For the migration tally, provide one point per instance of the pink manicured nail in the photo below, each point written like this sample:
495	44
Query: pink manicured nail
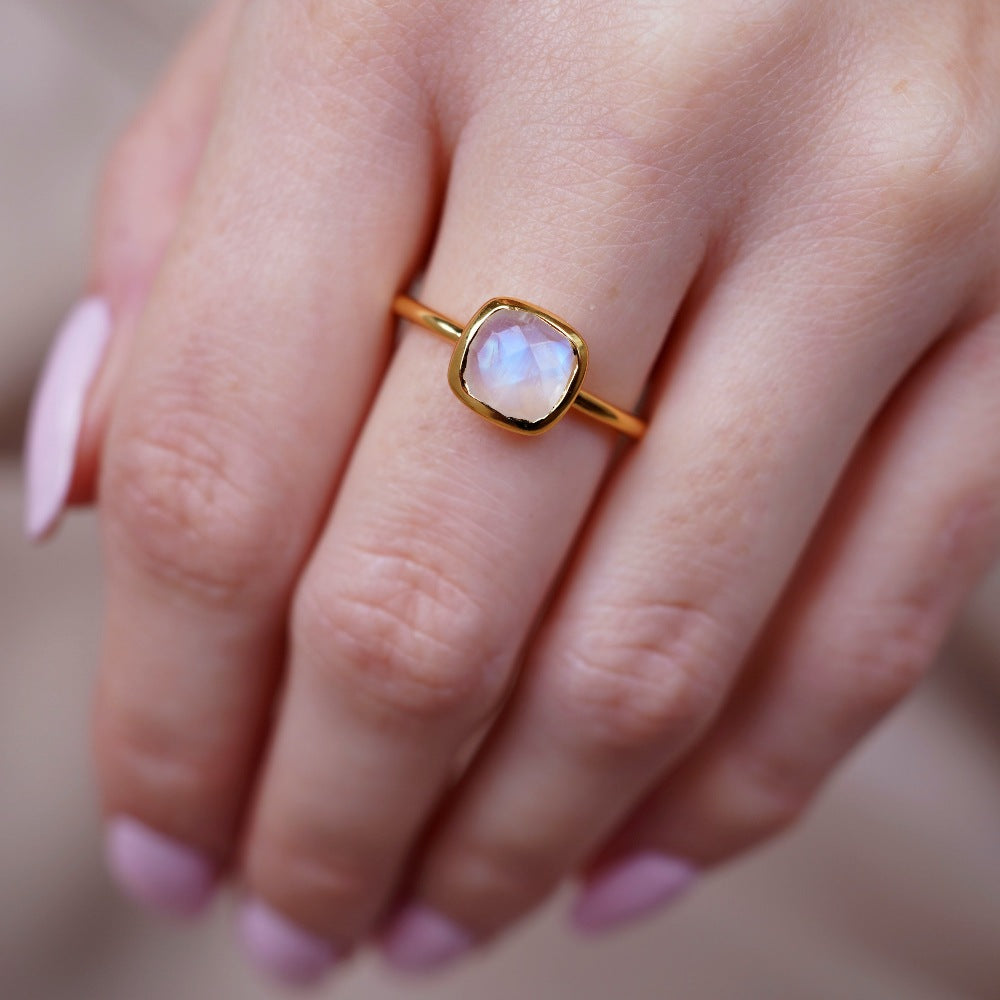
630	889
281	949
57	413
156	870
420	939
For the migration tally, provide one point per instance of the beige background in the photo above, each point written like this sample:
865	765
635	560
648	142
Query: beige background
889	890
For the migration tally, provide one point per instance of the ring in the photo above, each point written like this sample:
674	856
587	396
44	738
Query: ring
518	366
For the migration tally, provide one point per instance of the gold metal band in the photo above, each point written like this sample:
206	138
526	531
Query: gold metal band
604	412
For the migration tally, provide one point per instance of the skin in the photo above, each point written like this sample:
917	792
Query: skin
778	220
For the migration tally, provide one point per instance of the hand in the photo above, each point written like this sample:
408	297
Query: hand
775	223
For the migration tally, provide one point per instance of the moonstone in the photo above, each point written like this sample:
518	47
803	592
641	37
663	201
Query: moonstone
519	364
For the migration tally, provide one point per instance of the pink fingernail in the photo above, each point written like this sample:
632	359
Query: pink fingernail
156	870
630	889
281	949
420	939
57	413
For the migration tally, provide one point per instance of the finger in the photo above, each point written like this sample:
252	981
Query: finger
693	544
145	183
448	531
226	439
914	527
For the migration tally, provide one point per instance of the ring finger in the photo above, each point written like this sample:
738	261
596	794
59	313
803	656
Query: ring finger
446	535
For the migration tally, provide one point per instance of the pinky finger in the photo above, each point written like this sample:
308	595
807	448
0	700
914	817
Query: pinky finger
914	527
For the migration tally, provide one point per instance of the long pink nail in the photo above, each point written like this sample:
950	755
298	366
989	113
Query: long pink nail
57	413
630	889
157	871
420	939
281	949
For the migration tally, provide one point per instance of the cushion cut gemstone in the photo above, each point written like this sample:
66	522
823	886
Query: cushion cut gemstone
519	364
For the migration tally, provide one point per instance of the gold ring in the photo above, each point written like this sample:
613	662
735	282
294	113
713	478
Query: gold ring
518	365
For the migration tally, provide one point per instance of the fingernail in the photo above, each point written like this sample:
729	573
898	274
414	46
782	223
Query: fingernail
420	939
281	949
156	870
630	889
57	413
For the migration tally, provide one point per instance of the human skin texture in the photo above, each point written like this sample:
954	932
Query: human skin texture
775	223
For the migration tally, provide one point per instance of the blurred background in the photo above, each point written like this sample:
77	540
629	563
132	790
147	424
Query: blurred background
890	889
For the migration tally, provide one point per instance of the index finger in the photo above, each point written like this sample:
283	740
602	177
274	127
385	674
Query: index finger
227	440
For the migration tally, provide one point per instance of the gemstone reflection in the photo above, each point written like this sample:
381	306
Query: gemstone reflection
519	364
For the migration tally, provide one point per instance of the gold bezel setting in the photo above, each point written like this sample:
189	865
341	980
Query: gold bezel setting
460	355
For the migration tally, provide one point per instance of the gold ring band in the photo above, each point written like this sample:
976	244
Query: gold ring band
559	340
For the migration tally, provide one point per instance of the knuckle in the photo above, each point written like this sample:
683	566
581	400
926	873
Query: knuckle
508	878
893	659
402	634
304	875
349	44
930	161
682	66
772	797
188	509
734	800
647	679
744	797
347	75
142	759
